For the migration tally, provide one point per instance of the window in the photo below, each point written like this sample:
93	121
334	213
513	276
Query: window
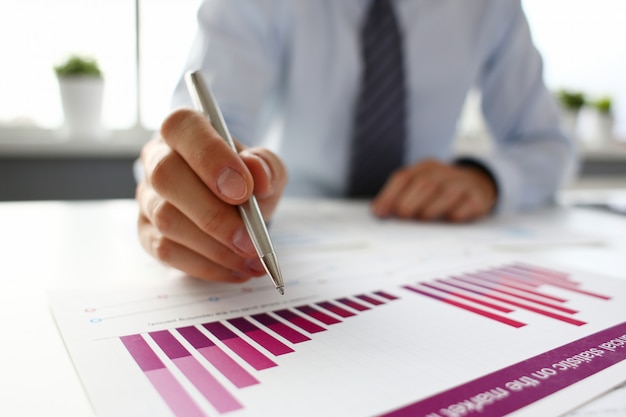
579	40
38	34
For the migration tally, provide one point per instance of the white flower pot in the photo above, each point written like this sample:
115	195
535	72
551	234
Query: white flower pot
82	97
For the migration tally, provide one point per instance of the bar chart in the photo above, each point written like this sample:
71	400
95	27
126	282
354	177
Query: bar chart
422	341
293	325
497	291
491	293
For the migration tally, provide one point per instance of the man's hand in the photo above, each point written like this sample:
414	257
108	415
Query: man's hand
432	190
192	182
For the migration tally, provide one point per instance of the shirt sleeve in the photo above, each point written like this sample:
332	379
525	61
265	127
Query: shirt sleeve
238	50
532	156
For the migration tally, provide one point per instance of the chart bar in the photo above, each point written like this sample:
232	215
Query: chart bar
484	313
161	378
242	348
280	328
318	315
200	377
515	284
550	314
217	357
386	295
334	308
353	304
498	288
273	345
368	299
439	287
299	321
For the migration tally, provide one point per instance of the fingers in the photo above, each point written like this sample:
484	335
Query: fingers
270	177
192	183
173	180
433	190
218	166
182	258
171	237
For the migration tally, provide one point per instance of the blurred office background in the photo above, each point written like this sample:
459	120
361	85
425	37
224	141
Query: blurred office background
141	45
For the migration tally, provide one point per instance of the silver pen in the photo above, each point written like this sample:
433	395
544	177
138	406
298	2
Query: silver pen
250	212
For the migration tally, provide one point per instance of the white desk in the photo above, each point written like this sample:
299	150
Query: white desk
47	245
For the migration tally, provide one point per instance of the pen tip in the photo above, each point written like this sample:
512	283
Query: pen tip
281	290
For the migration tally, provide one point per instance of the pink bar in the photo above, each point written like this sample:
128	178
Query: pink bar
216	356
280	328
369	299
209	387
515	284
250	354
273	345
498	288
466	307
386	295
543	271
318	315
333	308
299	321
174	395
353	304
469	298
228	367
242	348
464	286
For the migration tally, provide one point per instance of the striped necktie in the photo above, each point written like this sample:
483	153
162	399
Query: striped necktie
380	111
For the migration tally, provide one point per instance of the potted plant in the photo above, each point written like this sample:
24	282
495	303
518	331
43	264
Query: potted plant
81	85
570	103
602	118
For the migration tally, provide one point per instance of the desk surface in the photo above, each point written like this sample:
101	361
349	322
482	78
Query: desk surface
51	245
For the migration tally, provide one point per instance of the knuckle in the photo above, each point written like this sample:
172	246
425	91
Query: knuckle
211	220
163	217
162	248
163	171
178	120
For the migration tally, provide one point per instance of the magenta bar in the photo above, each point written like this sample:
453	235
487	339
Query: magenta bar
209	387
386	295
543	271
299	321
369	299
174	395
484	313
538	277
280	328
505	404
242	348
353	304
468	298
497	288
550	314
334	308
516	285
216	357
273	345
318	315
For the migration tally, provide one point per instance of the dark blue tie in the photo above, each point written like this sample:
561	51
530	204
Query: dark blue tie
380	112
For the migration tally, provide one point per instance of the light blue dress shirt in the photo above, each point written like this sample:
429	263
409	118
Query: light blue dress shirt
286	75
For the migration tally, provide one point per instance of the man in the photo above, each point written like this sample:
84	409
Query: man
291	78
